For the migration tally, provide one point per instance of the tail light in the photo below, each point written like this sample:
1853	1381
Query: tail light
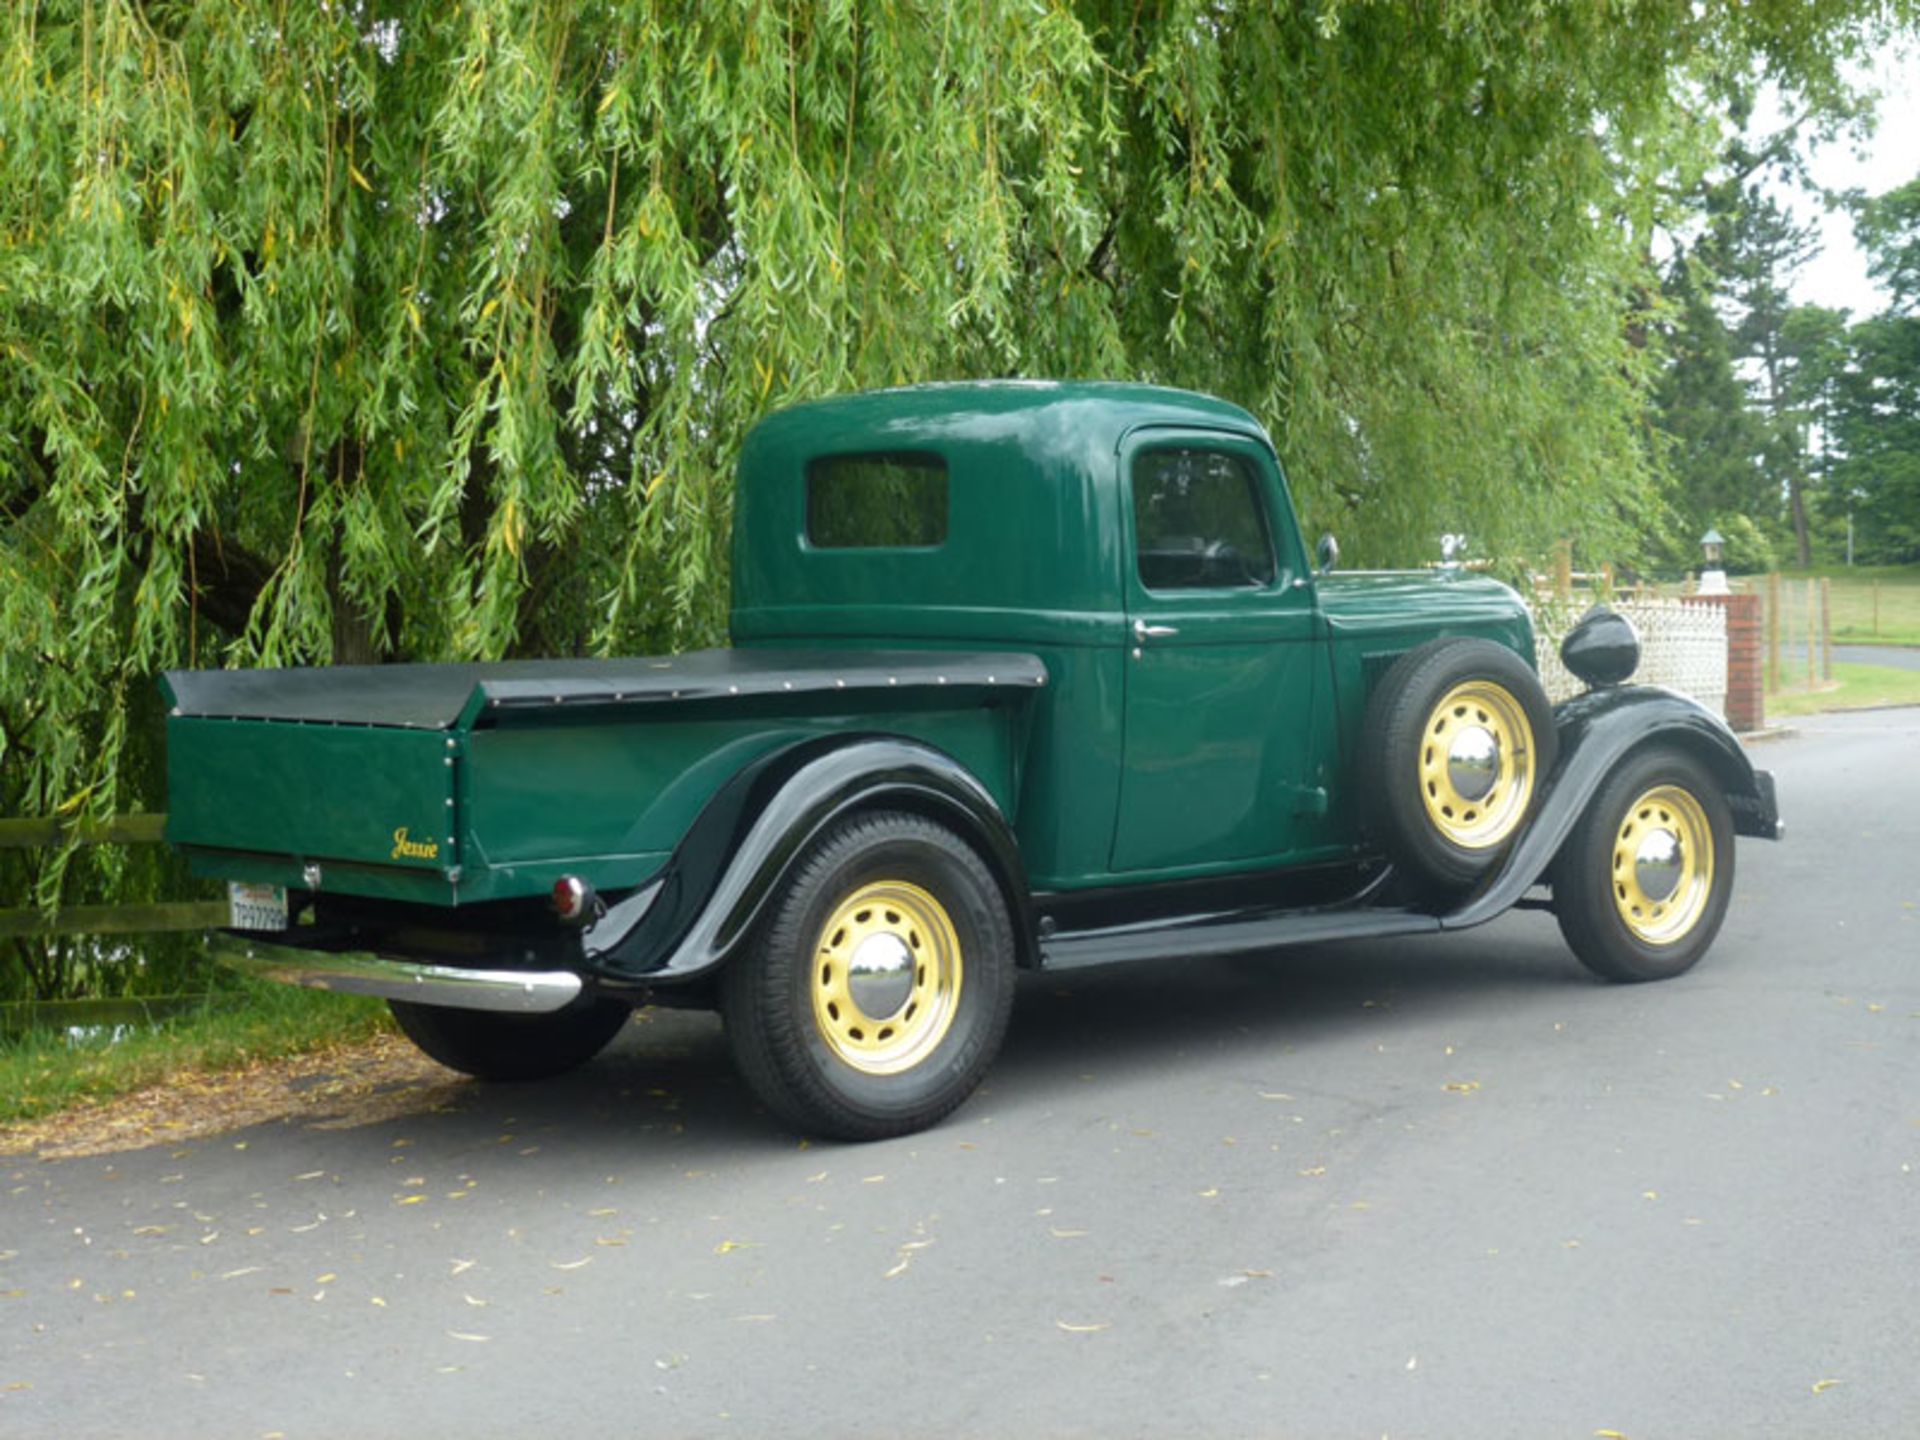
573	899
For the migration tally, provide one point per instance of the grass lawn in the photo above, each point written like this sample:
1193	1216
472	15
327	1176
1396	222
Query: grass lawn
1869	602
44	1071
1856	687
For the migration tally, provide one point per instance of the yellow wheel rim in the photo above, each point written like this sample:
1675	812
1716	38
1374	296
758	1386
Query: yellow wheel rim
887	971
1662	865
1477	765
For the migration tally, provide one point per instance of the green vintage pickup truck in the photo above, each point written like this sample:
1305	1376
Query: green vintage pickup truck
1023	676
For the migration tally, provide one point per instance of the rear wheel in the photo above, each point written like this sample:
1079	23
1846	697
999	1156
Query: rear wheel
1641	886
876	992
492	1046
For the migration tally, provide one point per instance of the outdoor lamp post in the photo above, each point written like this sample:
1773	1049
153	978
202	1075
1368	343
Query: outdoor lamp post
1713	580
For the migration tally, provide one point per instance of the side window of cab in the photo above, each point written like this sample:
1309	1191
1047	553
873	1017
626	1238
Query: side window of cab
1198	523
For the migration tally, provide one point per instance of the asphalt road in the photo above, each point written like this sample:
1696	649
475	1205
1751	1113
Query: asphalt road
1898	657
1444	1188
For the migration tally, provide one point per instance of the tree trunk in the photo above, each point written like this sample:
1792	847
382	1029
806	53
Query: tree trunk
354	641
1797	505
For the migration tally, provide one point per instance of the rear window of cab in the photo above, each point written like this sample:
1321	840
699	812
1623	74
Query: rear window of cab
892	500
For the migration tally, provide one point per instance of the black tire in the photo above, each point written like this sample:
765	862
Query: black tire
938	969
1620	929
1440	837
491	1046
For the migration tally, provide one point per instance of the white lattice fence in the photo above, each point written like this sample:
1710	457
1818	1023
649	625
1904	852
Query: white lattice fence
1683	646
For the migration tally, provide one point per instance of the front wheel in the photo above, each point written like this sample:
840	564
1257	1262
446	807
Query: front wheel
1642	884
875	993
492	1046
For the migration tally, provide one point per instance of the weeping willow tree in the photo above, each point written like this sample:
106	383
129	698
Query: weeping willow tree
351	330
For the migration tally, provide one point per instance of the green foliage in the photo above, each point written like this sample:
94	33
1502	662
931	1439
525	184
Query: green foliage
1715	442
387	330
1878	429
1782	419
1747	549
1766	248
1877	396
1889	230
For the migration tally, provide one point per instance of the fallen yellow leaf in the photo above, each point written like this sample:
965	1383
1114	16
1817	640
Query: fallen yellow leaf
1821	1386
1461	1087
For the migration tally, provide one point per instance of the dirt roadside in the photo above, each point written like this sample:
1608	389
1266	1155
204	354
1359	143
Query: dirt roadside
353	1085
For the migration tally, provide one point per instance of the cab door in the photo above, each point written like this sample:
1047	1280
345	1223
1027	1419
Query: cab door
1223	752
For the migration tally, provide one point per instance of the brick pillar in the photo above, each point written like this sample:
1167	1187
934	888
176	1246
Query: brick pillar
1746	661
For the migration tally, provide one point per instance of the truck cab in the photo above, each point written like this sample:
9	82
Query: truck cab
1141	542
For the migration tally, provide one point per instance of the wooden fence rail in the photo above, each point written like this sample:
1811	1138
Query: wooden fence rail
149	919
37	834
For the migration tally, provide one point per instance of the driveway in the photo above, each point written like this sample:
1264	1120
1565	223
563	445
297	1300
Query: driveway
1898	657
1447	1188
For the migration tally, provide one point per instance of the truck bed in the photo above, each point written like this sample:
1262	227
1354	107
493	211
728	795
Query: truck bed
447	784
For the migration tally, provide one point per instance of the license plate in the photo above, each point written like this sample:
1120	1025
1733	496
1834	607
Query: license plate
256	907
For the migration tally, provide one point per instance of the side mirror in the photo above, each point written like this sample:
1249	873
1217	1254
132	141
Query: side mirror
1326	555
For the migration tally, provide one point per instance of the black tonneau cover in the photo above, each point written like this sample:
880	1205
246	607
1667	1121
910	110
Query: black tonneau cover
442	697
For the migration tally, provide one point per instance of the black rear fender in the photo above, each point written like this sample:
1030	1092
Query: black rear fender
1597	731
687	920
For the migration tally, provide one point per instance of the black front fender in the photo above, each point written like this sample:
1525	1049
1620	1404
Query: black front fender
1597	731
687	920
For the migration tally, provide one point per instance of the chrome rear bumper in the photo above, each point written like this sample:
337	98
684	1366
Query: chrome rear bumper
515	992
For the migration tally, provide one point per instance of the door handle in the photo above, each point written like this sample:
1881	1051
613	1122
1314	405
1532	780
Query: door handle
1143	632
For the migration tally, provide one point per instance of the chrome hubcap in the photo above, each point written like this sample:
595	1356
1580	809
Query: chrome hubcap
1473	762
1659	865
880	975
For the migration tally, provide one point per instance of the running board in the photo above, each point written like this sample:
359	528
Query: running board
1230	933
